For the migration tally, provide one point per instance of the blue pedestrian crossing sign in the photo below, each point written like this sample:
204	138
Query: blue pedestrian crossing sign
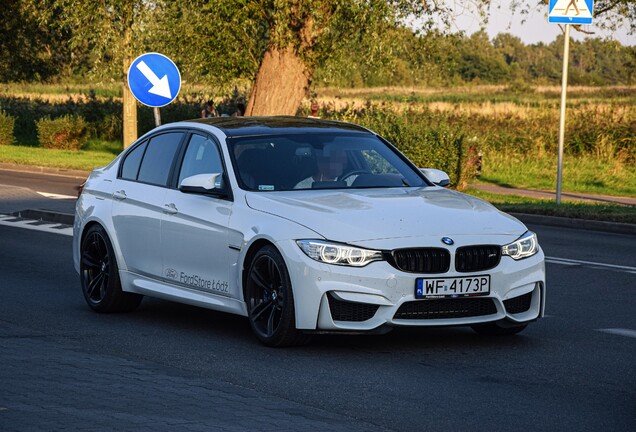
571	11
154	79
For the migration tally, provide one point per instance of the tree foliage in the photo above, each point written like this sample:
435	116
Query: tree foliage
30	49
341	42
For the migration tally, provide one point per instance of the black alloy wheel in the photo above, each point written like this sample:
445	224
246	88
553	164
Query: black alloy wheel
270	300
99	275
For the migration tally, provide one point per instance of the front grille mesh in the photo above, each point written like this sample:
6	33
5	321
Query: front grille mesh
422	260
518	304
350	311
446	309
477	258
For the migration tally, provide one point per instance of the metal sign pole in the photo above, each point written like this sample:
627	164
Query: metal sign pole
155	110
155	81
564	86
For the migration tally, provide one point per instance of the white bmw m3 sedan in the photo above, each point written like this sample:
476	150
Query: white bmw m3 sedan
303	226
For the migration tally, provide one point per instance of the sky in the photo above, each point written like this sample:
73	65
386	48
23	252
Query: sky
535	28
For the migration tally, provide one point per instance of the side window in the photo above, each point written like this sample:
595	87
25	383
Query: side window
201	157
130	167
155	167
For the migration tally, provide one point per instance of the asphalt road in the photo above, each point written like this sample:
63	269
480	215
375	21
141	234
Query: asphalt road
175	367
55	184
35	191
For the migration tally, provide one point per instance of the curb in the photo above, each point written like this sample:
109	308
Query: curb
613	227
46	216
551	196
45	170
586	224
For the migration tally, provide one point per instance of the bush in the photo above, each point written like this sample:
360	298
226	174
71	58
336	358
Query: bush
7	124
63	133
426	138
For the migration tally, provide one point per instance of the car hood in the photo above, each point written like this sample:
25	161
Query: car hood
373	214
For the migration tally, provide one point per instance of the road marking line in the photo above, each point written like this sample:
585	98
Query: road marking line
619	331
566	261
26	224
56	196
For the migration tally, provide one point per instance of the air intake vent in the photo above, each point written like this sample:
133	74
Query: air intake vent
423	260
350	311
477	258
518	304
446	309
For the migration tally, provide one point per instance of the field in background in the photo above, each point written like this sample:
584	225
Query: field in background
574	210
513	128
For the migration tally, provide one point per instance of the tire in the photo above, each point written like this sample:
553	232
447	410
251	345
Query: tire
270	300
99	275
495	329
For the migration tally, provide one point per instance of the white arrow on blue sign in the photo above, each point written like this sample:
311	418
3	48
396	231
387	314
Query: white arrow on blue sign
154	79
571	11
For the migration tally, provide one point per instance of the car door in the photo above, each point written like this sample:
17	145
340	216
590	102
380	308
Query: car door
195	231
138	202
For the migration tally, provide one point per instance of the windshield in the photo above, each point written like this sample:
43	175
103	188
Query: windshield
319	161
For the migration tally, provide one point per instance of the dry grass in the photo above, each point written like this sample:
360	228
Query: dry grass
59	93
50	97
583	89
334	92
611	111
330	92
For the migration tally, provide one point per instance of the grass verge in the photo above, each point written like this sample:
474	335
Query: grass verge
573	210
583	174
95	154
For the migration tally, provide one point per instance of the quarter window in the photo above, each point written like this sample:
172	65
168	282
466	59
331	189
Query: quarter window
155	167
130	167
201	157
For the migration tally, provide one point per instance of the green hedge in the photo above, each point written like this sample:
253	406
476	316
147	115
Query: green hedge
103	115
426	138
7	126
63	133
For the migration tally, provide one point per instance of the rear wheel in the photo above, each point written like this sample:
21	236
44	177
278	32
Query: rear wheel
99	275
270	300
496	329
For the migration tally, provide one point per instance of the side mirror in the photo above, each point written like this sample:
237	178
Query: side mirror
209	184
435	176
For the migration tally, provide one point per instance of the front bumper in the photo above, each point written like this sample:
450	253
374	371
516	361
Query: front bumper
339	298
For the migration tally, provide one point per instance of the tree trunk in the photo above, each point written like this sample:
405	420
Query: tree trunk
130	117
281	84
129	102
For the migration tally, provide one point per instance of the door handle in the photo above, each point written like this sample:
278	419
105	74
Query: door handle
120	195
170	208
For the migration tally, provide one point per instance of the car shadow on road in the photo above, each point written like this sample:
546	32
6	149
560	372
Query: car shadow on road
184	321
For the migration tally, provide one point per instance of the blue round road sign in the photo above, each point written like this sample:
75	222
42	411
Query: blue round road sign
154	79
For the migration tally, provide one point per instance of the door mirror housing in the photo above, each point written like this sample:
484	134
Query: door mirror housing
435	176
207	184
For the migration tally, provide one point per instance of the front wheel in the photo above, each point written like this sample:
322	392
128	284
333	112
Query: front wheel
270	300
99	275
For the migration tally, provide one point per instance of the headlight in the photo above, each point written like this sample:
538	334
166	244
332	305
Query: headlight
524	247
339	254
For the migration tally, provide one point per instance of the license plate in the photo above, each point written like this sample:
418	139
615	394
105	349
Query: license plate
453	287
